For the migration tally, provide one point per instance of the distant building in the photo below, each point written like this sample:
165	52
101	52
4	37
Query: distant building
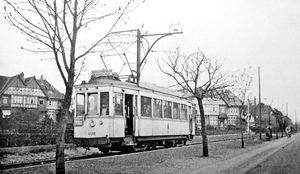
212	110
221	109
29	93
234	105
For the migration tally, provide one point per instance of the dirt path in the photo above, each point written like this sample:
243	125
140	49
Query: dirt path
248	158
284	161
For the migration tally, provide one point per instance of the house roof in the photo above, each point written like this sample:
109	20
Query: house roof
5	81
229	98
49	90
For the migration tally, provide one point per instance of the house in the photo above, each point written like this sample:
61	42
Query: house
234	105
28	93
221	108
267	117
212	110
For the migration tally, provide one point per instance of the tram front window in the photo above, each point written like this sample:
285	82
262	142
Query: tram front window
92	103
118	104
104	103
80	105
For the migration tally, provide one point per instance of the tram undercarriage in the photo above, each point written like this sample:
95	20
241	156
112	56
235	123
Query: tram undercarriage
130	143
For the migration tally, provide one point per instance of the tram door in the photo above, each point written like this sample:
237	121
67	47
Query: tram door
129	114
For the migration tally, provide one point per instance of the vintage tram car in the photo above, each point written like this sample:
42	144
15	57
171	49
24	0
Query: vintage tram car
111	114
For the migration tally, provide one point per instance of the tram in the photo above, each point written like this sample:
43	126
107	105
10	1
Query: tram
116	115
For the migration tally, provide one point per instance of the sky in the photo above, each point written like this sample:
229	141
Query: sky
239	33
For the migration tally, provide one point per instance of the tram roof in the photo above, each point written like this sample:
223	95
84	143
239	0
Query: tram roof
142	85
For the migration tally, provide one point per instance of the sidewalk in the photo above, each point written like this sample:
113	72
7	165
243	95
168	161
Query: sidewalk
248	158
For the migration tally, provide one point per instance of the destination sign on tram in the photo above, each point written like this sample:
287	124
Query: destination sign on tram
103	73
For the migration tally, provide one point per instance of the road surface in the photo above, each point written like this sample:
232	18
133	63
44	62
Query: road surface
286	160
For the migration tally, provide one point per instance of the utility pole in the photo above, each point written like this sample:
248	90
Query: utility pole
276	117
138	56
248	118
296	124
259	103
139	37
269	115
287	109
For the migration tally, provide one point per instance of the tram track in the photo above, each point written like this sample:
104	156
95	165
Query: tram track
43	162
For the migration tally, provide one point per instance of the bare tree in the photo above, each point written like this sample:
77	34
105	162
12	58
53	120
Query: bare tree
242	85
197	75
62	28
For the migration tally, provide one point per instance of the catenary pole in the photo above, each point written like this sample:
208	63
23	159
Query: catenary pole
259	102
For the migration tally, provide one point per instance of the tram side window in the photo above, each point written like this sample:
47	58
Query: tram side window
176	111
167	109
118	104
183	112
104	101
80	105
92	103
157	108
146	106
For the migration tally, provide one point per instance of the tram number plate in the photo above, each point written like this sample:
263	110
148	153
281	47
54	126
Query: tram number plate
91	133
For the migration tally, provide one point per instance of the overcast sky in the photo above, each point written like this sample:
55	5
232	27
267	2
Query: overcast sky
241	33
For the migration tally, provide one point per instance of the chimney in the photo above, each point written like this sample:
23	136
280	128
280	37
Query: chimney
42	79
21	75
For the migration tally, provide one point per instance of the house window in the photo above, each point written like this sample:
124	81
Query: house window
41	101
50	103
17	99
5	100
31	100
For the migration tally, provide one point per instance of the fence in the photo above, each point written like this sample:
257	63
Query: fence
30	133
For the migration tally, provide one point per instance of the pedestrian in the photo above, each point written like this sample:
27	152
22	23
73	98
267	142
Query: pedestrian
270	131
268	135
288	130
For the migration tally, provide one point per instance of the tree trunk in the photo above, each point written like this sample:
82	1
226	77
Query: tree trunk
203	128
60	139
241	123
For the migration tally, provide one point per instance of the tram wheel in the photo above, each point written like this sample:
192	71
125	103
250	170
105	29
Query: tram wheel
104	151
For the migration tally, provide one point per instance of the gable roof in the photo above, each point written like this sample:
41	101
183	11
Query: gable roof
50	91
45	86
229	98
5	81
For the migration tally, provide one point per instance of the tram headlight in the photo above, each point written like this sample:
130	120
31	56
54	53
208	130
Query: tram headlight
101	122
92	123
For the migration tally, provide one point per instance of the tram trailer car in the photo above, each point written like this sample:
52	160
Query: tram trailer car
114	115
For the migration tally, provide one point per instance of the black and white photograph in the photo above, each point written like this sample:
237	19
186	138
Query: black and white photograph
150	87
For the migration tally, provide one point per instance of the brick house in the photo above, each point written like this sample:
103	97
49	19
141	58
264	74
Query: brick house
28	93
